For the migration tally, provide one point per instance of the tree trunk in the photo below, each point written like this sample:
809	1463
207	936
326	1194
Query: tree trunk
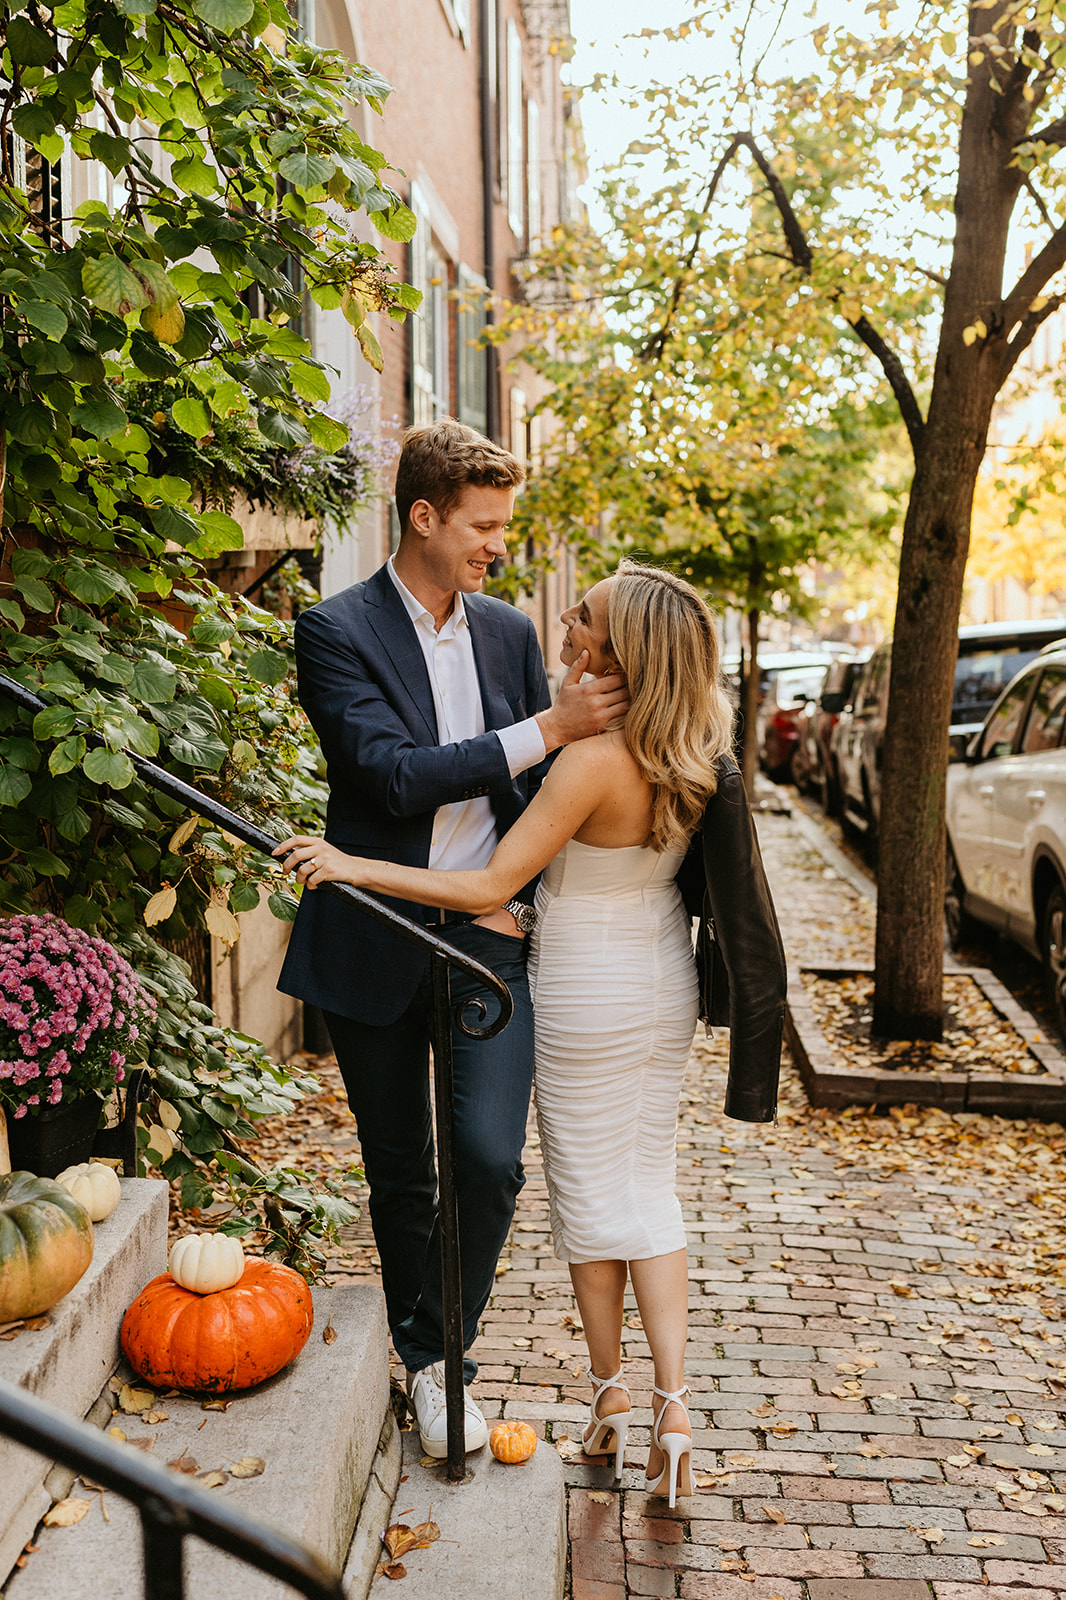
936	536
749	750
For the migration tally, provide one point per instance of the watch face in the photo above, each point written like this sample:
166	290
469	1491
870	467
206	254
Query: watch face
526	919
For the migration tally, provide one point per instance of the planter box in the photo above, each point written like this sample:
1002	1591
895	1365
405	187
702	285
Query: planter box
831	1083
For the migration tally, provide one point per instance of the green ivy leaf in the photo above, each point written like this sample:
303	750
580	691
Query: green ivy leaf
310	382
280	428
398	223
15	785
326	432
66	756
111	285
211	630
244	896
192	416
54	722
101	415
33	121
35	593
47	864
305	169
155	681
219	533
283	905
29	46
267	666
47	318
93	585
225	15
109	767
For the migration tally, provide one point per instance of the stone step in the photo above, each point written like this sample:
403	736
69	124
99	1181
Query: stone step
502	1530
317	1427
69	1361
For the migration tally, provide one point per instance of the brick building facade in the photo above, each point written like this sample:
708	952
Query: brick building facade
486	140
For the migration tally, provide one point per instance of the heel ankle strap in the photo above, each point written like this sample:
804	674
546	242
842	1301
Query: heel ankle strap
671	1394
600	1384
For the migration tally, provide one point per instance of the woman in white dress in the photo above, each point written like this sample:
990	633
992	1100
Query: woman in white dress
613	978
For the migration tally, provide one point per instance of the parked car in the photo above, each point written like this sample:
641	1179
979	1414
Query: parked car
813	760
785	700
990	654
1006	817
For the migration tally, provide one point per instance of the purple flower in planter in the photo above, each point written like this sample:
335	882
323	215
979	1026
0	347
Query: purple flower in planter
71	1012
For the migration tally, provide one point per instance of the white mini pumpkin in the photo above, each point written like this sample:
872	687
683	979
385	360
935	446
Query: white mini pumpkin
206	1262
94	1186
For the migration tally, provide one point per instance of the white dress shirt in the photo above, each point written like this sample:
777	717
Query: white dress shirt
464	833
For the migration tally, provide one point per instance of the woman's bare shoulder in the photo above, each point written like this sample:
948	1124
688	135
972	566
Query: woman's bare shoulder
605	754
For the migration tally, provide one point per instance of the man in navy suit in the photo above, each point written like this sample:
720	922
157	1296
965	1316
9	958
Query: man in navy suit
432	708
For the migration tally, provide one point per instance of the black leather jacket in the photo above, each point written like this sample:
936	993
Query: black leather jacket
723	872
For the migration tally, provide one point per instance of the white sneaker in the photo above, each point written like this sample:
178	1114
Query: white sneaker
425	1390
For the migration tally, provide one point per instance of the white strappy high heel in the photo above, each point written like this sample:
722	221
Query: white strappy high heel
677	1453
617	1423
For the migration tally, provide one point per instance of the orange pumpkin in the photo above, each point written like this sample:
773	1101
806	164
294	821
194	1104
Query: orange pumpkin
512	1442
231	1339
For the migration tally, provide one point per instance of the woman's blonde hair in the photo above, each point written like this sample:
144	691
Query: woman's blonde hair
679	721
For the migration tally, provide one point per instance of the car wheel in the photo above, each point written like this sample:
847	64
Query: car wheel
1053	945
962	928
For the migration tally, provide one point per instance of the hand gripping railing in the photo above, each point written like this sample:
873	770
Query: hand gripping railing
442	955
171	1507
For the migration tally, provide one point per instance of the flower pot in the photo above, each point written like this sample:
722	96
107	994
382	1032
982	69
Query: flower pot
54	1137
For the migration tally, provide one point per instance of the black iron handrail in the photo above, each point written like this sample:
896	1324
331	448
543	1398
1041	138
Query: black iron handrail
442	956
171	1508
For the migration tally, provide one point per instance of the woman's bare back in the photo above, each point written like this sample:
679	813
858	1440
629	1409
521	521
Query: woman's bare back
623	818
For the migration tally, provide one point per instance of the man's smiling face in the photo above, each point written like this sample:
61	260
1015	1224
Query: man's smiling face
457	553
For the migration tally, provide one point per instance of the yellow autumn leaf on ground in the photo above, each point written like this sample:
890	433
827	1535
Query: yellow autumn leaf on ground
65	1513
983	1540
600	1496
133	1400
930	1535
212	1480
1039	1450
248	1467
160	906
567	1448
775	1514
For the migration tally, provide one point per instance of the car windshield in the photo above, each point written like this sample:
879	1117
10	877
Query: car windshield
979	677
798	684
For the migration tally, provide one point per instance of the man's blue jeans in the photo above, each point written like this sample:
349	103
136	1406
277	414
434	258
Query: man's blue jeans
386	1075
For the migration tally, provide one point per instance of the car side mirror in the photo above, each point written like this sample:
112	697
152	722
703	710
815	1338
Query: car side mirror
832	701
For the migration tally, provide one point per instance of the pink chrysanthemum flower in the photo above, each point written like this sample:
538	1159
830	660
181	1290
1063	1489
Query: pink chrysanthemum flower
71	1012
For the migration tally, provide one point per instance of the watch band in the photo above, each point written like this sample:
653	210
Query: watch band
525	916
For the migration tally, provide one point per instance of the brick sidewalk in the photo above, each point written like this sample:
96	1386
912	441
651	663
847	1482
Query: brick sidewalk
875	1415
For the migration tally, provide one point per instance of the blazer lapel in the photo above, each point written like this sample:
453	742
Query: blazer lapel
390	621
490	660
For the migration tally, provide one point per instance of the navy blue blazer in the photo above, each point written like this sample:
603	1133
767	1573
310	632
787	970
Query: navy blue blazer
363	681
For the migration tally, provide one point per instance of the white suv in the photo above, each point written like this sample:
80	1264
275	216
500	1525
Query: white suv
1006	816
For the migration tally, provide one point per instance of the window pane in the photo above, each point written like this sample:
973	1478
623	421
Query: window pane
1048	713
998	739
515	153
979	676
473	360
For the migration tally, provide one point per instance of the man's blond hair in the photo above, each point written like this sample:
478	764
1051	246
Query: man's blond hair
438	461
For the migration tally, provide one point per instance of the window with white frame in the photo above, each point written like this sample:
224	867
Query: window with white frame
472	357
429	325
515	174
533	174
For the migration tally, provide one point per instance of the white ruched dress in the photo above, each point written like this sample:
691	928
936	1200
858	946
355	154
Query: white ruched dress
613	980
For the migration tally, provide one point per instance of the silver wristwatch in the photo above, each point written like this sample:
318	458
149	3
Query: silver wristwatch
524	915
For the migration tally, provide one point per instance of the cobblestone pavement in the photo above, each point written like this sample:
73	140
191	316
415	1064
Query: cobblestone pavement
876	1347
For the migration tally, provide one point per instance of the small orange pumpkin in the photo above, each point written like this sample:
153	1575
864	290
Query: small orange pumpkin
512	1442
231	1339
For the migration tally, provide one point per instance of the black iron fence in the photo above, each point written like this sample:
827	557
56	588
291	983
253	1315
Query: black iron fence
442	956
171	1508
